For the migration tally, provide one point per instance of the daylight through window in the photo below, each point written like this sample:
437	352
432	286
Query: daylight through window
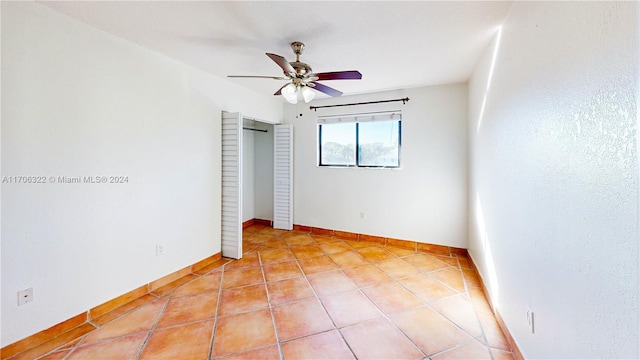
361	140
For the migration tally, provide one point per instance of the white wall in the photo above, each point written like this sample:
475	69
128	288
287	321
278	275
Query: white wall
554	177
424	201
248	155
257	176
79	102
263	172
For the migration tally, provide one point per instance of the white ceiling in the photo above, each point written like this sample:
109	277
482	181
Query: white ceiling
394	44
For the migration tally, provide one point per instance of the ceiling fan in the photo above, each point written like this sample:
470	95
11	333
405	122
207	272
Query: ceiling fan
302	79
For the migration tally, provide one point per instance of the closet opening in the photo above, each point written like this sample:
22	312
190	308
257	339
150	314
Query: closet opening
257	177
257	172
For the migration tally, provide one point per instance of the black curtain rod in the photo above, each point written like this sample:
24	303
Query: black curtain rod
404	101
252	129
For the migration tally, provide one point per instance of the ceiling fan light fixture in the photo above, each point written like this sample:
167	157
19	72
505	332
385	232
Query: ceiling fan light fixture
307	94
290	94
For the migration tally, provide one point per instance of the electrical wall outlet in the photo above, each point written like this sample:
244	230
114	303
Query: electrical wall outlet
25	296
530	320
363	215
159	250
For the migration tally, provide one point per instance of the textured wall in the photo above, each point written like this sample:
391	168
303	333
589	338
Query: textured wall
554	177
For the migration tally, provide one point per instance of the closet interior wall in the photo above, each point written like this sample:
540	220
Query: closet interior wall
257	167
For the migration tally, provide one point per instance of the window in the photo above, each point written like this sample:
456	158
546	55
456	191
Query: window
362	140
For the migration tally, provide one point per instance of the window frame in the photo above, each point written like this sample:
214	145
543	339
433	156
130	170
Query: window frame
357	147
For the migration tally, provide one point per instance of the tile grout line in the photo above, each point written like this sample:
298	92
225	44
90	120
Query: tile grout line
215	317
388	318
151	331
484	335
80	339
68	354
273	318
475	313
456	346
71	350
472	338
384	315
304	275
428	304
97	327
153	328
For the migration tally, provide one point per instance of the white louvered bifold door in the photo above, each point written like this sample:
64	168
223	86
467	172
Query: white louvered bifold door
231	185
283	177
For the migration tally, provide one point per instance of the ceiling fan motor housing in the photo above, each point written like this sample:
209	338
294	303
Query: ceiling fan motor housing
302	69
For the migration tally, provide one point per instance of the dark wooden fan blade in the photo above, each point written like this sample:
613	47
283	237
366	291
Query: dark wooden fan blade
257	76
283	63
340	75
325	89
279	92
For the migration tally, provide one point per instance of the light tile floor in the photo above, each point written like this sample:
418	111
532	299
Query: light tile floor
301	296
